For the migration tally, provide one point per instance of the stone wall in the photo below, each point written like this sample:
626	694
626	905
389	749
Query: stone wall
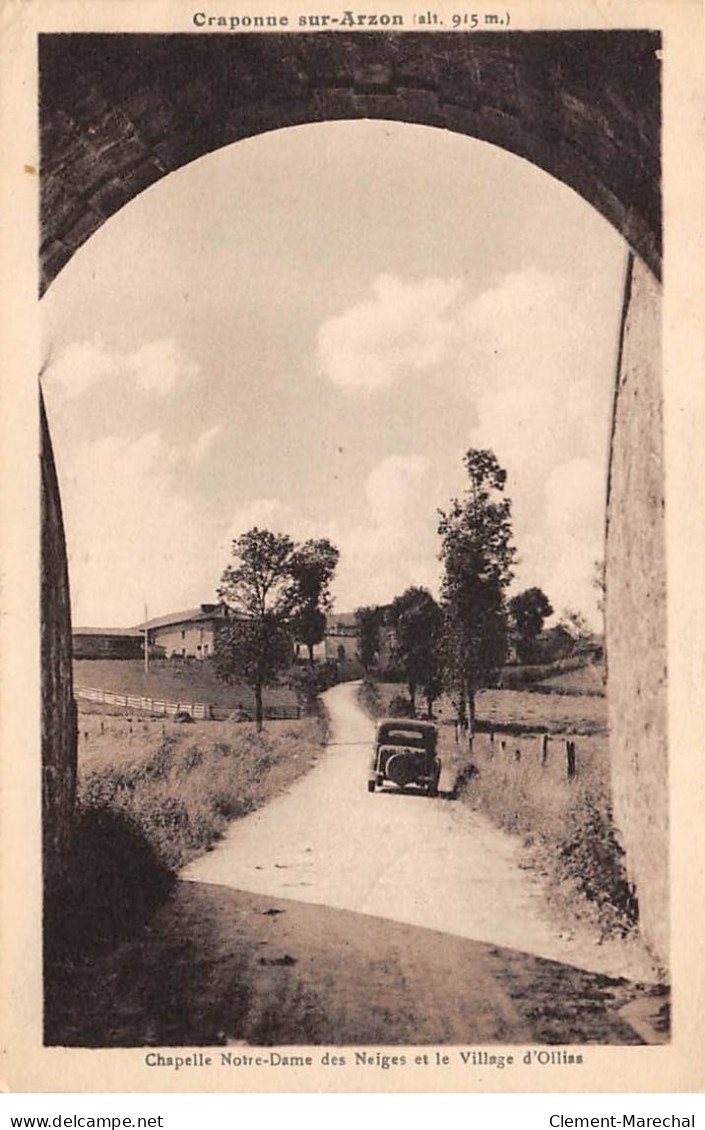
636	607
118	112
59	733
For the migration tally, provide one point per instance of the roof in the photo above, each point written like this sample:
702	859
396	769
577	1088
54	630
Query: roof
408	724
130	633
341	620
203	612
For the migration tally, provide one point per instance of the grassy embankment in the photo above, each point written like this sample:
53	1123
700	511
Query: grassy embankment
566	825
174	682
151	796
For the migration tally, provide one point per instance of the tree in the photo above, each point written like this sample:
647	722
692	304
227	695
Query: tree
260	595
369	621
529	609
575	625
312	567
477	556
416	618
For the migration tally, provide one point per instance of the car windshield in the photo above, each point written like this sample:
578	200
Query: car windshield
397	735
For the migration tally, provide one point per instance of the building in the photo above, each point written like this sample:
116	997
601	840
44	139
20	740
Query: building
190	634
108	643
342	638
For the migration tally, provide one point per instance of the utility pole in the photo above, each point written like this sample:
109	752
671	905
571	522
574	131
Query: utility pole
146	641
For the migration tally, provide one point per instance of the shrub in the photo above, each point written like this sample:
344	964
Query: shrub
401	707
567	824
116	879
143	816
370	698
310	681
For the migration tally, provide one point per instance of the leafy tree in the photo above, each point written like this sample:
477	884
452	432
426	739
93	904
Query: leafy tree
575	624
417	618
259	592
369	621
477	556
312	567
529	609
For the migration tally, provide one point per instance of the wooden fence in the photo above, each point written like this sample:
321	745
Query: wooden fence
197	710
506	748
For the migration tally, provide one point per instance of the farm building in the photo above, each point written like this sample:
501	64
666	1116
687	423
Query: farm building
107	643
190	634
342	638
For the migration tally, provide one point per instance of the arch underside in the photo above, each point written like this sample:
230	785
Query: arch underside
118	112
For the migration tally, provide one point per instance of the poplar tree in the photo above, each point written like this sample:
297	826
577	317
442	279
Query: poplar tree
477	556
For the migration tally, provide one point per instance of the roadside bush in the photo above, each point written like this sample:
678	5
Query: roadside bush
180	795
566	824
401	707
148	802
594	859
116	879
390	674
310	681
371	698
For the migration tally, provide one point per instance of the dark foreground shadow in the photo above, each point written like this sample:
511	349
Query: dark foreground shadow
215	966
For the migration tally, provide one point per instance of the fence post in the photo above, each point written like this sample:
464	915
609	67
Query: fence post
570	759
544	749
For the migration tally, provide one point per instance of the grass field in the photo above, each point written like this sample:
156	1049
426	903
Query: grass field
181	784
509	710
173	682
589	680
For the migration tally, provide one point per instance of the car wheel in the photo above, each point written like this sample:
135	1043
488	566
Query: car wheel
370	786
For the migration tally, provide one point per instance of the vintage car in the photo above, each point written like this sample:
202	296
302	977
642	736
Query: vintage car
405	754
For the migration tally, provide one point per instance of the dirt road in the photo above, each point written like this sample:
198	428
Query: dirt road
398	856
338	916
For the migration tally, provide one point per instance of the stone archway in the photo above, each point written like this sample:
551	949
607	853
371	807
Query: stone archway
119	112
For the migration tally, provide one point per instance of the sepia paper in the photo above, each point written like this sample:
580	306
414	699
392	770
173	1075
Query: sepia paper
366	74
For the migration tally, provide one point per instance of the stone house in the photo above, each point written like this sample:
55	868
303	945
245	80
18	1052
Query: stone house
189	634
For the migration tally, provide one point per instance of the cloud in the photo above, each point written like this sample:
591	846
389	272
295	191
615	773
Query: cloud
132	535
390	547
401	330
517	361
544	410
266	513
155	368
158	365
394	545
526	348
390	489
81	366
204	443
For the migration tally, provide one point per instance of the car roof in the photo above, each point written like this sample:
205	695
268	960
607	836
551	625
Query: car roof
408	724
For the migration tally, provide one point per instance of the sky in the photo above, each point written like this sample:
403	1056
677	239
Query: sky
306	331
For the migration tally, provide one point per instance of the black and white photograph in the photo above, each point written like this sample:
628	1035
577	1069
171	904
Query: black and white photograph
354	606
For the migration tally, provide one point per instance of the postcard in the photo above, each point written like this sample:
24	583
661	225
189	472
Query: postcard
352	546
